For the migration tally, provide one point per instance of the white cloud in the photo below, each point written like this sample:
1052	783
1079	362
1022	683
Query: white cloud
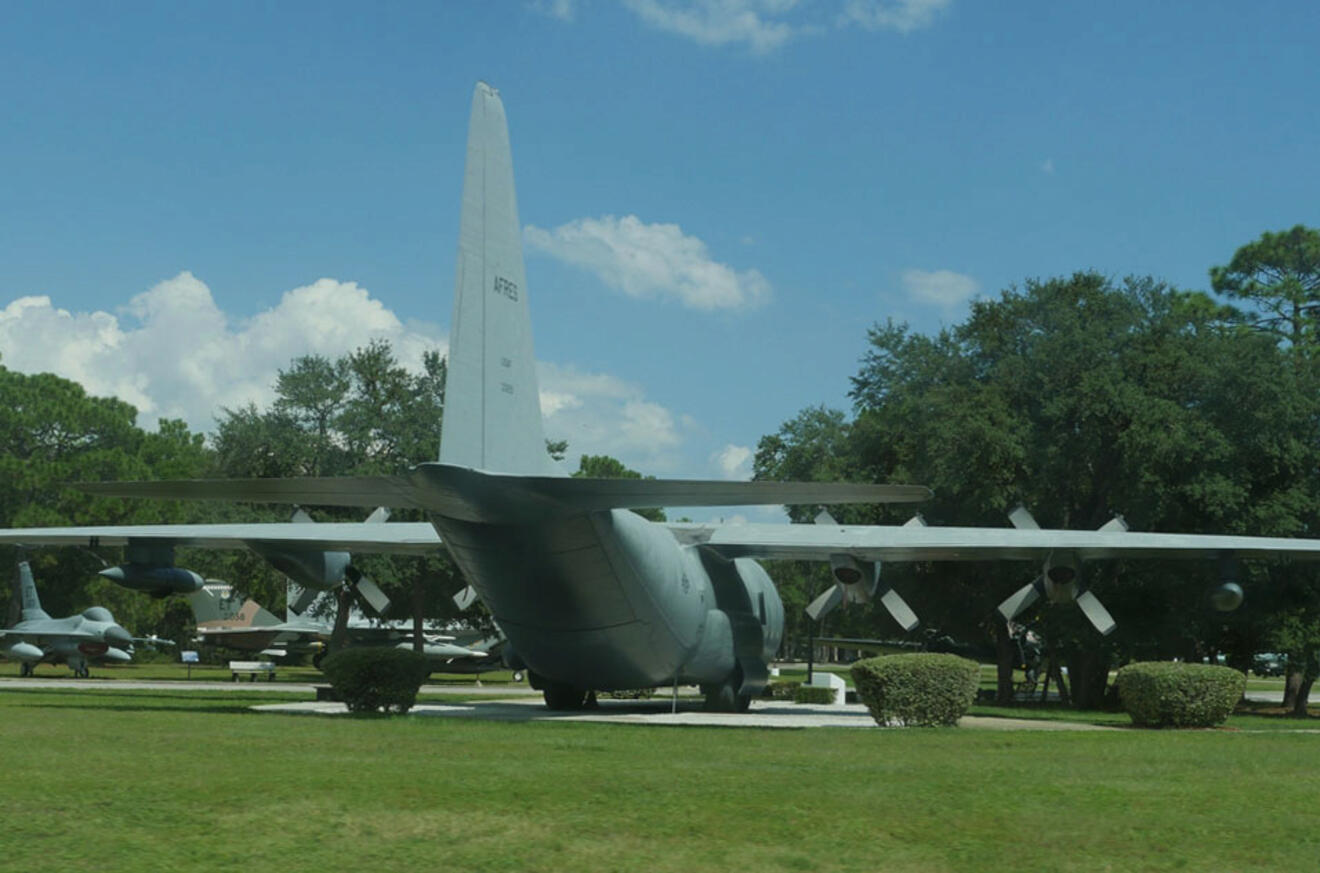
763	26
650	260
173	353
940	287
734	462
721	22
564	10
600	414
903	16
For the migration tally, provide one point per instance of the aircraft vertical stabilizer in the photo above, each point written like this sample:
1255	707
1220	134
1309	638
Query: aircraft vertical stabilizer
492	402
28	592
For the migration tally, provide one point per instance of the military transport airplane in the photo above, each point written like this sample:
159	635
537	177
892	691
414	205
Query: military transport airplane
77	640
590	595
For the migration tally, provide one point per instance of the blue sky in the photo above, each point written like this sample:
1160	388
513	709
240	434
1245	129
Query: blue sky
719	197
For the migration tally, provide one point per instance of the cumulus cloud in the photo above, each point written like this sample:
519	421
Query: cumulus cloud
940	287
721	22
600	414
172	352
564	10
762	26
733	462
650	260
903	16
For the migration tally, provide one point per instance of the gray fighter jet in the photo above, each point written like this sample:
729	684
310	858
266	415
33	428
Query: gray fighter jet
590	595
77	640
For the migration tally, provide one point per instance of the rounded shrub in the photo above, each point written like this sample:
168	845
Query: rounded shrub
920	689
813	694
1171	694
376	679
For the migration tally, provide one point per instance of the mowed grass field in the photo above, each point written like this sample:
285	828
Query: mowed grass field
131	781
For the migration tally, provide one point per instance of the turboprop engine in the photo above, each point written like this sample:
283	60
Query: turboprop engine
858	582
318	570
1060	579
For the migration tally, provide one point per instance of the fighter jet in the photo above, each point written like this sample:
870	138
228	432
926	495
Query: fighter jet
77	640
590	595
225	619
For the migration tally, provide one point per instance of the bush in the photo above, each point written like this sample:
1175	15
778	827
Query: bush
1169	694
371	679
813	694
921	689
781	689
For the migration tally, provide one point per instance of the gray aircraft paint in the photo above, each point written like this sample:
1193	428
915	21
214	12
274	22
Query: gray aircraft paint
76	640
492	404
596	596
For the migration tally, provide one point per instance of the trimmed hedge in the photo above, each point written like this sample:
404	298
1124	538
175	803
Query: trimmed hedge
1171	694
813	694
780	689
376	678
920	689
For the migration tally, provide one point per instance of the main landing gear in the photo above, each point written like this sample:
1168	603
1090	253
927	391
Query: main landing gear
725	697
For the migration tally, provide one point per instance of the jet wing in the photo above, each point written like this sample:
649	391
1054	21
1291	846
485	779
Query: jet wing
817	542
407	538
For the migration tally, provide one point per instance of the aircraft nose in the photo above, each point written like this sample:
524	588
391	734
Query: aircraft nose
117	636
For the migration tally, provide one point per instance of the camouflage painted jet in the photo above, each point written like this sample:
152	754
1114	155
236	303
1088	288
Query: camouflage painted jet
77	640
590	595
225	619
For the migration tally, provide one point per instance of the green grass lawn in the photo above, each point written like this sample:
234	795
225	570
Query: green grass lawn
125	781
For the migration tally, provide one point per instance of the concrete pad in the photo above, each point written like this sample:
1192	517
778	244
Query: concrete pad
763	714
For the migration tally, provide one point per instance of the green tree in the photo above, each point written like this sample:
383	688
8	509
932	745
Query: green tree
605	467
1279	275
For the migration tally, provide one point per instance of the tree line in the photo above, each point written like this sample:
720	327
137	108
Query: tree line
1085	397
1081	397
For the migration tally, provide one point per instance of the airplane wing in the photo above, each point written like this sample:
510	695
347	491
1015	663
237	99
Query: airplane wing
817	542
406	538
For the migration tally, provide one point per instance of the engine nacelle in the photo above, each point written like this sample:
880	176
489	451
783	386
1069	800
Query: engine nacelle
154	579
318	570
1061	575
1227	596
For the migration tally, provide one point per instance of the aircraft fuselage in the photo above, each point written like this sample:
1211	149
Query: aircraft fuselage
607	600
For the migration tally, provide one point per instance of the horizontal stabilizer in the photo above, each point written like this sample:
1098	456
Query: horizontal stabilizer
476	495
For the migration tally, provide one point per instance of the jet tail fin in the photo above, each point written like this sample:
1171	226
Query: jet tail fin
492	403
27	588
216	605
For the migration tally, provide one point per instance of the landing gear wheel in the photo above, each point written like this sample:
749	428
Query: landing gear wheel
743	703
562	697
26	669
317	659
721	698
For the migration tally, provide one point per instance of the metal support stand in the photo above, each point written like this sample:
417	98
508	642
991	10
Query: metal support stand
811	648
673	700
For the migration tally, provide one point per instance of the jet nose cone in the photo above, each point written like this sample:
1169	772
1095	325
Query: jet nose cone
117	636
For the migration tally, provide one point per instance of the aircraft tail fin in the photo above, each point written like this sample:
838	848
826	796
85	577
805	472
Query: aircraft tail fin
492	402
27	588
217	605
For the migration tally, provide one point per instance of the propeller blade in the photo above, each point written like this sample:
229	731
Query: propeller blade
1019	600
1022	519
824	517
379	516
465	598
898	608
371	593
306	597
1096	613
300	516
1117	524
825	603
917	520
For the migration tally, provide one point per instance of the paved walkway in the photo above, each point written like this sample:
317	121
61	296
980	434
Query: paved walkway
14	682
657	711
